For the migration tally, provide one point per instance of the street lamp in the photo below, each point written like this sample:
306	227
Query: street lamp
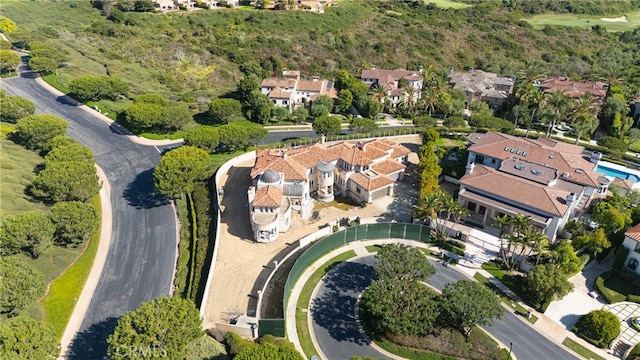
510	347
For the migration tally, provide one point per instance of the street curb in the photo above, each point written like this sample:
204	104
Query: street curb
75	321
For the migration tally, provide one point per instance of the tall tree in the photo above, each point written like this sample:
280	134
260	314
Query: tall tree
20	285
164	325
345	99
224	111
559	103
34	131
66	181
13	108
31	232
401	262
327	125
599	325
468	303
179	170
583	115
75	222
547	283
204	137
534	99
25	338
8	61
565	258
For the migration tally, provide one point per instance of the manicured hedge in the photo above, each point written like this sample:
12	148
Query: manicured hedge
609	295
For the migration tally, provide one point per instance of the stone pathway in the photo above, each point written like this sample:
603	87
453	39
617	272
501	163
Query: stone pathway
625	311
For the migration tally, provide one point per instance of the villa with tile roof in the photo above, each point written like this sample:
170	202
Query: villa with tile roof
285	180
573	89
291	91
482	86
544	179
389	80
632	243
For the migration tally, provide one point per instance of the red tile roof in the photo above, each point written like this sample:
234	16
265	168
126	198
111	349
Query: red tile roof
370	183
387	167
634	232
573	88
268	196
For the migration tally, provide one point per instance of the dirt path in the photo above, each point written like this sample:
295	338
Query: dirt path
241	260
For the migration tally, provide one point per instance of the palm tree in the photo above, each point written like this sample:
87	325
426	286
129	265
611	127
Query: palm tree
612	75
517	111
363	65
559	103
528	73
429	74
583	116
534	99
379	92
430	98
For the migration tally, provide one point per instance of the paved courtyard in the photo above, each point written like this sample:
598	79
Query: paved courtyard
625	311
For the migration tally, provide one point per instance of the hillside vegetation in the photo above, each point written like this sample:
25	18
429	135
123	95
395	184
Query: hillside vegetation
196	56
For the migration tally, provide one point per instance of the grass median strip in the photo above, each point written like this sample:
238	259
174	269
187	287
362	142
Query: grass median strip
65	290
581	350
302	324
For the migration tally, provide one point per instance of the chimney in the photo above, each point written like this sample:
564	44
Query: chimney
421	68
315	78
470	69
251	194
469	168
284	153
450	69
322	138
284	71
373	67
570	199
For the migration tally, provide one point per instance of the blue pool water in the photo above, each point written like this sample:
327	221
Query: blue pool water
617	173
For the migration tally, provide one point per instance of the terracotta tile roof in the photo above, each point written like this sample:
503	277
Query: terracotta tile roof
309	85
566	158
277	82
387	167
634	233
278	93
623	184
273	159
268	196
370	183
399	151
551	200
356	157
573	88
383	75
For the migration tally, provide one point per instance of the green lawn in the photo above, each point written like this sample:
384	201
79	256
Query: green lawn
581	350
174	136
447	4
16	172
540	21
373	248
65	290
302	325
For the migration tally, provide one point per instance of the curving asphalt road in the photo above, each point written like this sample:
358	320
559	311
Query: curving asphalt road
334	317
141	259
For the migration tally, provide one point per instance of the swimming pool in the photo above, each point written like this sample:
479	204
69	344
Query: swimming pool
619	173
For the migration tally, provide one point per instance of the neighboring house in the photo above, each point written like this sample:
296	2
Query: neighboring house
290	91
632	243
482	86
166	5
284	180
390	79
547	180
573	89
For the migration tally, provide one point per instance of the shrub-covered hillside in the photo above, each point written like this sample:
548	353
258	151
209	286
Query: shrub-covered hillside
195	56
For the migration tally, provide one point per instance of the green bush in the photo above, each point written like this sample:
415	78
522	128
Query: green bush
235	344
609	295
613	144
598	327
635	353
634	298
425	121
621	256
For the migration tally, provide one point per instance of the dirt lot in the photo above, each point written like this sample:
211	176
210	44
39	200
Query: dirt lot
242	264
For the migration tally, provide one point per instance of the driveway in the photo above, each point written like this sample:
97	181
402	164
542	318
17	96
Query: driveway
141	259
334	317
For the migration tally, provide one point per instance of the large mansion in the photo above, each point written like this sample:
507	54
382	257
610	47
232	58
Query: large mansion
574	89
482	86
389	80
547	180
284	180
291	91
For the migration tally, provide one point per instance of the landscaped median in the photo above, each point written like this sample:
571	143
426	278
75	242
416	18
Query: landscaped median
64	291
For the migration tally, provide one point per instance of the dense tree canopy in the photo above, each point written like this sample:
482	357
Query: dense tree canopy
66	181
43	65
20	284
71	152
327	125
164	325
224	111
74	221
269	351
399	262
34	131
204	137
25	338
547	283
93	88
151	98
467	303
362	125
596	242
58	141
8	61
179	169
13	108
564	257
30	232
599	325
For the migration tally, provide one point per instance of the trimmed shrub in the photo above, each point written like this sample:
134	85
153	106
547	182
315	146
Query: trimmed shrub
235	344
609	295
